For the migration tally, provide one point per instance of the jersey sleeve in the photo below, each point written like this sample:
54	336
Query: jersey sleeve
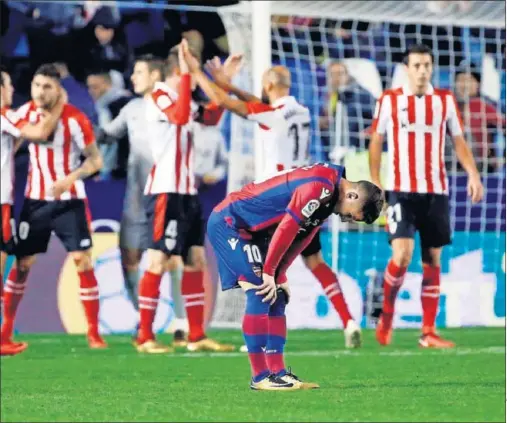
177	112
266	116
209	114
8	127
454	121
307	198
82	130
382	114
117	128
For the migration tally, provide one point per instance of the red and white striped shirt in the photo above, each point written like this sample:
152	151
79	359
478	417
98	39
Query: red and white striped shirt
170	138
9	133
59	157
416	127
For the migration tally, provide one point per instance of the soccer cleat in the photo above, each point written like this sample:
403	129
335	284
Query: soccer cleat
179	339
12	348
432	340
384	331
207	344
95	341
273	383
292	378
352	335
153	347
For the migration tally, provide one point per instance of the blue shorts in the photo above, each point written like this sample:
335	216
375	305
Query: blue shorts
240	255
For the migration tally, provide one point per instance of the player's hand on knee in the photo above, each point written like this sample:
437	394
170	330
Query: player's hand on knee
267	289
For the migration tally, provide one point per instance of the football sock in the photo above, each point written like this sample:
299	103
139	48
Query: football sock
192	289
430	295
14	290
89	295
331	286
255	332
277	335
149	291
178	306
393	279
132	285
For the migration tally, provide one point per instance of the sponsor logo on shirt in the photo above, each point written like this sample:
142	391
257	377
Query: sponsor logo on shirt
310	208
233	242
324	194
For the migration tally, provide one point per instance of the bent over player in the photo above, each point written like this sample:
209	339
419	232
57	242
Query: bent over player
257	233
55	200
285	144
416	118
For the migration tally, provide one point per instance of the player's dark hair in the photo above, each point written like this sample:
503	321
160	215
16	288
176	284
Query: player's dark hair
417	49
3	70
49	70
373	201
154	63
102	73
171	64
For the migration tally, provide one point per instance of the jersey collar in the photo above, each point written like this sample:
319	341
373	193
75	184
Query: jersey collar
408	91
281	101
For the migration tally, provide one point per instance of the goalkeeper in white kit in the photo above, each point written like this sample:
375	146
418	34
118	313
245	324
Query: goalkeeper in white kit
285	126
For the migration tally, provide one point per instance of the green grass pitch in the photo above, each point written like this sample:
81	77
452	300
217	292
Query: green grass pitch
59	379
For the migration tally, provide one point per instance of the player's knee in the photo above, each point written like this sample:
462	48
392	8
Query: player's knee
402	255
431	256
130	259
174	263
24	264
83	260
199	262
157	262
313	261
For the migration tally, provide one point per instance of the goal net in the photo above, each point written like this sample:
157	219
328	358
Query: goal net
342	55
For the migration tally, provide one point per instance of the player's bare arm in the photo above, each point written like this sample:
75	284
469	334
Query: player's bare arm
222	75
91	165
375	157
216	94
42	130
464	153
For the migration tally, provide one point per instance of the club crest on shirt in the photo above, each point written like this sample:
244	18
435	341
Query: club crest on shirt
310	208
324	194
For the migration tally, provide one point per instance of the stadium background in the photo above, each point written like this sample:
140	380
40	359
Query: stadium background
370	40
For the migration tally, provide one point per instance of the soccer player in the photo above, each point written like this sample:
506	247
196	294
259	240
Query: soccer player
10	140
55	199
416	118
285	144
173	208
256	234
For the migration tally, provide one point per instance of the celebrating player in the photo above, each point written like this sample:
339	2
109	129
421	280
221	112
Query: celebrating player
173	208
55	199
416	118
257	233
285	126
10	139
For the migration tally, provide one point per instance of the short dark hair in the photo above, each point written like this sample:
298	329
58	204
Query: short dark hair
49	70
154	63
102	73
373	201
171	64
3	70
417	49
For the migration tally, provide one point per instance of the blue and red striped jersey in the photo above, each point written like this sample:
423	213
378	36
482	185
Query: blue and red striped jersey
294	201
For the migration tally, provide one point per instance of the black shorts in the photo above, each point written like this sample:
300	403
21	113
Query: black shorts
69	219
313	247
175	222
7	230
426	213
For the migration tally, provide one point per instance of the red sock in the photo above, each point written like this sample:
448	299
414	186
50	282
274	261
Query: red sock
192	291
430	294
89	294
393	279
149	292
14	290
329	282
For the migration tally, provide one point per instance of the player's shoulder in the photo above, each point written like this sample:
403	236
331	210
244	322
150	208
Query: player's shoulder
162	95
71	111
442	92
392	92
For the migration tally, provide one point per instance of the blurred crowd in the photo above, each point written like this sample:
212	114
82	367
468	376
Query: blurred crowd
94	46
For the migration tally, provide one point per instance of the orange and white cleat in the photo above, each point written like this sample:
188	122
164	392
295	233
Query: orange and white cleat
432	340
384	332
12	348
95	341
